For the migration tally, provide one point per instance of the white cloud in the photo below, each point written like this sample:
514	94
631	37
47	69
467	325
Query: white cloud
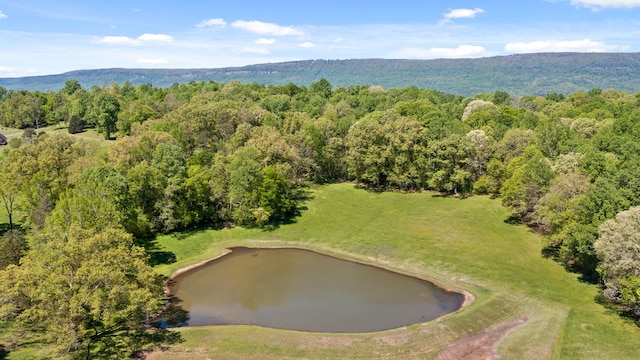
263	28
12	72
117	40
3	15
462	51
461	13
155	38
4	69
264	41
307	45
586	45
255	50
218	23
144	38
600	4
152	61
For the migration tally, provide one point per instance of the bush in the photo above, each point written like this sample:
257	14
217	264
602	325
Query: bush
12	246
76	125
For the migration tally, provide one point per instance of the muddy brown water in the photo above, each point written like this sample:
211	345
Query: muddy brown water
303	290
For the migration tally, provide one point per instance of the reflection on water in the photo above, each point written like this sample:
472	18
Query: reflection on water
302	290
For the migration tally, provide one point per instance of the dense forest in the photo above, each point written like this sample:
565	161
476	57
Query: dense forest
232	154
519	74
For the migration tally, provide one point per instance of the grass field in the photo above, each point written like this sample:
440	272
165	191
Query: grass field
88	134
462	243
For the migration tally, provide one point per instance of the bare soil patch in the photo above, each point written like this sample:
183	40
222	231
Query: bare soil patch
482	346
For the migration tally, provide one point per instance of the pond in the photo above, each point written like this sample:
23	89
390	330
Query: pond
303	290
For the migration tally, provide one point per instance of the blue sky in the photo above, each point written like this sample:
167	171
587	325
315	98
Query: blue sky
39	37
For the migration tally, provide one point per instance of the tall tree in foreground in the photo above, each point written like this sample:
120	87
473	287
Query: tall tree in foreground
618	248
84	285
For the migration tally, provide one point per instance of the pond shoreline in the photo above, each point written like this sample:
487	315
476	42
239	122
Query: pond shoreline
469	298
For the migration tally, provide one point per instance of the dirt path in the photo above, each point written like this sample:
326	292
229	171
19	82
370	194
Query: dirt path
483	346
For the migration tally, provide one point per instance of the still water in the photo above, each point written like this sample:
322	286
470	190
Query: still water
302	290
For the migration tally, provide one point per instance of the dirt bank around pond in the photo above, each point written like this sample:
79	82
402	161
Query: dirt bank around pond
483	345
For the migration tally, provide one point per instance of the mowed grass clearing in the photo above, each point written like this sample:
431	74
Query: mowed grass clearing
461	243
87	134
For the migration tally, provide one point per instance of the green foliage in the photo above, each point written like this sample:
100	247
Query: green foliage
384	148
276	196
71	86
41	170
233	154
245	178
321	87
618	248
10	195
103	113
527	178
21	109
85	290
13	246
76	125
449	165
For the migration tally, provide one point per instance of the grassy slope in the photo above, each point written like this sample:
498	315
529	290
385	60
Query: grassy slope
462	243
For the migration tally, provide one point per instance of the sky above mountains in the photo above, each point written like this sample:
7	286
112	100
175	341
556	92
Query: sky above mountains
39	37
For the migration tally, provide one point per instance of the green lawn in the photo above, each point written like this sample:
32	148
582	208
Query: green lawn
463	243
4	218
88	134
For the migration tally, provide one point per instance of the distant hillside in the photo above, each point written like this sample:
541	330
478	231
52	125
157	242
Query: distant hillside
528	74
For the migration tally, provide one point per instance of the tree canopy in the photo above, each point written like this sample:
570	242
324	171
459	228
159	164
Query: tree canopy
232	154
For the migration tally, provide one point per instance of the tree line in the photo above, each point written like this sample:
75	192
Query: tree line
241	154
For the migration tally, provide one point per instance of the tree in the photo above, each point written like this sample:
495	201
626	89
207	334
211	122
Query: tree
527	178
104	113
618	249
449	164
136	112
89	292
71	86
601	202
513	143
146	189
168	158
76	125
9	194
406	152
41	170
560	204
501	97
366	147
13	246
276	197
481	150
22	110
245	179
104	184
203	203
321	87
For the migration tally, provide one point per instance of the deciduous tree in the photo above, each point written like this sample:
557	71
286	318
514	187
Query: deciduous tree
13	246
89	292
104	113
618	248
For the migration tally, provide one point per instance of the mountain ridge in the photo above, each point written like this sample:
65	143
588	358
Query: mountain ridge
519	74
